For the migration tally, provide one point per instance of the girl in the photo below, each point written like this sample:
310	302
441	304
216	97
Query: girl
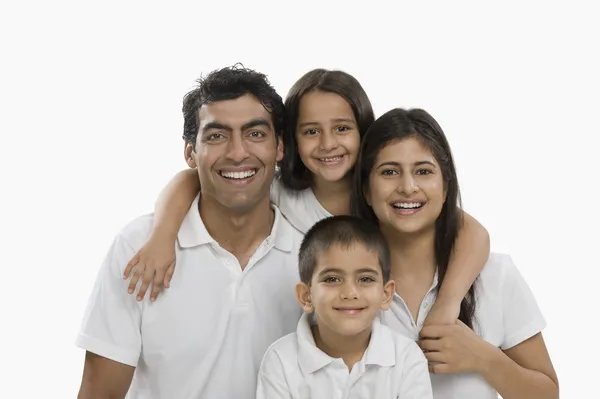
406	183
328	112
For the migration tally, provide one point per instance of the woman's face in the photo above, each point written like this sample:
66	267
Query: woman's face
406	187
327	135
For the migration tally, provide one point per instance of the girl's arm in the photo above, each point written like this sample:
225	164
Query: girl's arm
470	254
155	261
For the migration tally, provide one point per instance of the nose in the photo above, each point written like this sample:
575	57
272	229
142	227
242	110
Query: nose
328	141
349	290
407	185
237	151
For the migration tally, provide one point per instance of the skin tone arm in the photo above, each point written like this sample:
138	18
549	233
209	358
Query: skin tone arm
523	371
158	254
471	252
104	378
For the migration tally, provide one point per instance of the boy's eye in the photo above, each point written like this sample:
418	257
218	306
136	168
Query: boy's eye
331	279
367	279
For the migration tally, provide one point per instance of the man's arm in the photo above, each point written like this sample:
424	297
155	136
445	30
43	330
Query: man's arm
104	378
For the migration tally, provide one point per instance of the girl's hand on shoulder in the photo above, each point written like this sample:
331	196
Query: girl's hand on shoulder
154	263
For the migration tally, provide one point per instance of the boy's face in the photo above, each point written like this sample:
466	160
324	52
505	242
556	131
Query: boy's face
347	290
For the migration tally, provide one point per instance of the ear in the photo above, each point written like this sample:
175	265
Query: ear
367	195
279	148
303	296
188	153
389	289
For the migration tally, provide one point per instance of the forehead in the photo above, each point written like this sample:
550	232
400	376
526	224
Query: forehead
319	105
348	258
234	113
408	150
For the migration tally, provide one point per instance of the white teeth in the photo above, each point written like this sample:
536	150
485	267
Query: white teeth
333	159
239	175
407	205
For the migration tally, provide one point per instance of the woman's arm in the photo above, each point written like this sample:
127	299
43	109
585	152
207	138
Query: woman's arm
470	254
524	371
155	261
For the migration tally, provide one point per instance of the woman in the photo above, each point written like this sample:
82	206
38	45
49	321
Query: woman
328	112
406	182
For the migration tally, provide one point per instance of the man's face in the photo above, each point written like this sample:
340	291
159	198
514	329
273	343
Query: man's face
236	152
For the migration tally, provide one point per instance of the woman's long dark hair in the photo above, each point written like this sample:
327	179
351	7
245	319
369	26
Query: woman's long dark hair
400	124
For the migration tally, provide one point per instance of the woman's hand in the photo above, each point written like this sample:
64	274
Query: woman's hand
454	348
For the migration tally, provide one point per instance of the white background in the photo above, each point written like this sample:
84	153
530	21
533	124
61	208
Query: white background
90	98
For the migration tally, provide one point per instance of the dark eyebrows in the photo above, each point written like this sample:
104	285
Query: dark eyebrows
336	120
398	164
248	125
340	271
256	122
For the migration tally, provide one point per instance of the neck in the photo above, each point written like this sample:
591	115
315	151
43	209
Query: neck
412	255
239	232
348	348
333	196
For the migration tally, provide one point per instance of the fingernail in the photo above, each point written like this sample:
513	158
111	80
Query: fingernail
139	298
152	298
130	290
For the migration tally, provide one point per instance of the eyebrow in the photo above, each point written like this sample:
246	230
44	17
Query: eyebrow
248	125
336	120
341	271
419	163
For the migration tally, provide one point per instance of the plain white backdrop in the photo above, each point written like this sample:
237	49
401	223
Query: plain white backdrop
90	99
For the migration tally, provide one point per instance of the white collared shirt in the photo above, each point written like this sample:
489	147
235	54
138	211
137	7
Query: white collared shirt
206	335
392	367
301	208
506	315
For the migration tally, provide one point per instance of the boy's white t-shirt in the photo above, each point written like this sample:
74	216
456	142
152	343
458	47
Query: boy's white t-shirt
392	367
301	208
506	315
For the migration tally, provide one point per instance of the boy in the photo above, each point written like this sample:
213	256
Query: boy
340	349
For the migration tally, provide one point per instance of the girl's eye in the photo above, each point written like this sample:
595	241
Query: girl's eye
310	132
342	129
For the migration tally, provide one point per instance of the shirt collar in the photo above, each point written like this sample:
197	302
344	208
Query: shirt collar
380	352
193	232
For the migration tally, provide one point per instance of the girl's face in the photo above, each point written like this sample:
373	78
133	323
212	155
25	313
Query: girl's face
327	135
406	187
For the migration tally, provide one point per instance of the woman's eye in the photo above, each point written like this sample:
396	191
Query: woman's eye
389	172
423	172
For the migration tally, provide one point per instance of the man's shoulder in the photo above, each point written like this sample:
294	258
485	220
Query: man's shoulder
137	231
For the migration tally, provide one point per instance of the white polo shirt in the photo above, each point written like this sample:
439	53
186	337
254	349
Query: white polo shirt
506	315
205	336
301	208
392	367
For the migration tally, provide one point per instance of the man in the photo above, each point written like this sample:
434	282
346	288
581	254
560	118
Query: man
236	261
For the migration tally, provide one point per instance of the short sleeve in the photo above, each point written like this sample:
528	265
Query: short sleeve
522	317
272	383
277	190
416	383
112	320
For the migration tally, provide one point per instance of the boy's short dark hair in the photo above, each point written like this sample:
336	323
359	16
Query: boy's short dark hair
345	231
228	84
